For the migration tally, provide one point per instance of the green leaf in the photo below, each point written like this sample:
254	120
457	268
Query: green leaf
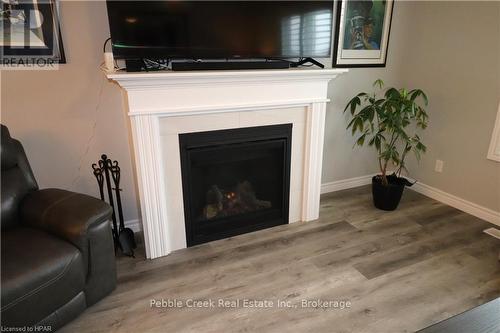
415	93
360	124
357	123
371	114
403	134
420	146
378	83
347	106
404	92
417	154
392	93
424	96
352	104
361	140
351	123
389	122
378	142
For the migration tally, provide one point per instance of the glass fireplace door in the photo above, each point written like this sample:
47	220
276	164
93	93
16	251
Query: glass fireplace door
235	181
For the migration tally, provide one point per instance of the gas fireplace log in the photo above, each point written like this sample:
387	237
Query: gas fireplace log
222	203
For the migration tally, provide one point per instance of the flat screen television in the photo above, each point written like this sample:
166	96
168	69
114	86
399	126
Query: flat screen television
220	29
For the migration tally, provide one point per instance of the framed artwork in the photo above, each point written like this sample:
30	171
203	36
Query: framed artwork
494	150
362	33
30	32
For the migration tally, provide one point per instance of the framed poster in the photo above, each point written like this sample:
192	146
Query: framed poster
362	33
30	32
494	150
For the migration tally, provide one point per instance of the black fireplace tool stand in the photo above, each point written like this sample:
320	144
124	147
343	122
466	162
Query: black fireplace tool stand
106	170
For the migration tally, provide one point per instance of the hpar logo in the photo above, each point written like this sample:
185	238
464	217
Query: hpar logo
29	35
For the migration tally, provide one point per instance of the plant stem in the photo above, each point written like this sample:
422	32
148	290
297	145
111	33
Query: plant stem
393	140
401	162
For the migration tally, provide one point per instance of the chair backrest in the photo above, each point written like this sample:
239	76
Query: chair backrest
17	178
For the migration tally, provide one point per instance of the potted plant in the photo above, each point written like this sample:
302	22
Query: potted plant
390	124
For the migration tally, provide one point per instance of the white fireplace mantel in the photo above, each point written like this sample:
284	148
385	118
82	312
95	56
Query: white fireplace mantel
164	99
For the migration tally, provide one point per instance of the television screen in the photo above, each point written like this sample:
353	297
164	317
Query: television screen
220	29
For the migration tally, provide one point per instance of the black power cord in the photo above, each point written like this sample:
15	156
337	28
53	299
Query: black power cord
105	43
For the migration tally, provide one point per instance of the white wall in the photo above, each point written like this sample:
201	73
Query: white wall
53	112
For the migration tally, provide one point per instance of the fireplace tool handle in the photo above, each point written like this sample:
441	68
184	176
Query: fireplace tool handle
115	174
104	164
126	236
100	179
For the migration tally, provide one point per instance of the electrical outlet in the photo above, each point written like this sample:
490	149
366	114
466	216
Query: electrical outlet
439	166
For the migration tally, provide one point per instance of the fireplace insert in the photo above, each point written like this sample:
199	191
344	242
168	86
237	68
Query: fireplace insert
235	181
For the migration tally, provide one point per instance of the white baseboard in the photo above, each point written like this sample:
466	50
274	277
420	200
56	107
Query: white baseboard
345	184
338	185
458	203
429	191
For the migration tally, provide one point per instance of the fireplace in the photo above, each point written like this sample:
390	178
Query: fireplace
235	181
162	106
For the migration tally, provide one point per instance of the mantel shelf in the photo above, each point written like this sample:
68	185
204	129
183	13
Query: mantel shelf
162	78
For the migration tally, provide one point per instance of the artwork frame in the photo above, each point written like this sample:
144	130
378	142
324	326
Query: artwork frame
494	148
29	41
351	48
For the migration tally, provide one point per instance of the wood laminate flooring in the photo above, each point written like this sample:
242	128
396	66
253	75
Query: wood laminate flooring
401	271
481	319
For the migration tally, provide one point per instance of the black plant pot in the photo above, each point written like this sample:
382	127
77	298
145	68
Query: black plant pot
387	197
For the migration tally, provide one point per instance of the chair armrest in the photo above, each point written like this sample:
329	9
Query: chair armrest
63	213
82	221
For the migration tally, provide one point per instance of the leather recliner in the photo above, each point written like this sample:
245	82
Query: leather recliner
57	248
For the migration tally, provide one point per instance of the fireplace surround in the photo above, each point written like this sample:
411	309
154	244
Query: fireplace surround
163	106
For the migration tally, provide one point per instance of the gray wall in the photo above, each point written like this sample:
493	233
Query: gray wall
54	112
341	160
457	63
